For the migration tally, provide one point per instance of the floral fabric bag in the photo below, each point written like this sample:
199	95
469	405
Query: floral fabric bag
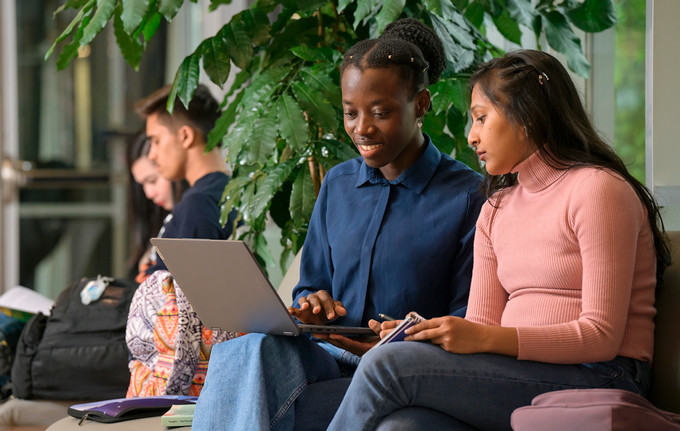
170	347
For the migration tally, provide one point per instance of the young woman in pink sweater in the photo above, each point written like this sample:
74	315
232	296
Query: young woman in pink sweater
568	250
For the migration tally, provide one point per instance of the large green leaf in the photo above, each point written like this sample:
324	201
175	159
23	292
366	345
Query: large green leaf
272	183
70	51
342	4
247	196
261	88
390	11
129	46
169	8
364	9
443	8
475	14
461	31
448	91
104	12
133	13
493	7
262	251
150	24
231	197
214	4
508	27
292	125
456	121
444	143
241	78
316	106
522	11
302	197
262	140
216	61
312	54
319	78
257	25
235	140
334	151
458	58
72	25
238	43
186	81
309	7
593	15
469	157
223	123
70	4
561	37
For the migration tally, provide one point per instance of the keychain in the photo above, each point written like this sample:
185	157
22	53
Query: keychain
94	289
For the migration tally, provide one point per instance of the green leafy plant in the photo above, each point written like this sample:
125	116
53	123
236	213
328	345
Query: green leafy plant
282	118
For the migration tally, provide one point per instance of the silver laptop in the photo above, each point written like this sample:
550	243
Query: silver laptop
228	290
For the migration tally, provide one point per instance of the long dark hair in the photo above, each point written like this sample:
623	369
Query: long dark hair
145	218
534	91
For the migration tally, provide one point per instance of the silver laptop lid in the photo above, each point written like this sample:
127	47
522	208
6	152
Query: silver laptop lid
225	285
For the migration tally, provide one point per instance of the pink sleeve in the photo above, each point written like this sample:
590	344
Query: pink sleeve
606	218
487	295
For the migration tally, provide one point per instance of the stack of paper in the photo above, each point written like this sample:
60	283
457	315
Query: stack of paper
22	303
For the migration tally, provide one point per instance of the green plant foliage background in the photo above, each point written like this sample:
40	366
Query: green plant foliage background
282	118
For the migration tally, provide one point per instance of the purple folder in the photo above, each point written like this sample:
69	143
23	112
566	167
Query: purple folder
122	409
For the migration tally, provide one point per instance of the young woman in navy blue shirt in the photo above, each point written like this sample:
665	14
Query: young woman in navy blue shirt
391	232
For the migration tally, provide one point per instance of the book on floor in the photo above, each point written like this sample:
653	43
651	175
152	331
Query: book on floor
178	415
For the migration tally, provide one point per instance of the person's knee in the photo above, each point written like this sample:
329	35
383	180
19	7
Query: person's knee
415	418
382	363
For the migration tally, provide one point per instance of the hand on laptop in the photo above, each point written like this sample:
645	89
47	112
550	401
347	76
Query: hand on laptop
318	309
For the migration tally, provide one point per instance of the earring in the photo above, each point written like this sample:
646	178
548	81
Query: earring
419	122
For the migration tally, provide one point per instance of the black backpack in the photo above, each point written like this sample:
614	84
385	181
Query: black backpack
79	351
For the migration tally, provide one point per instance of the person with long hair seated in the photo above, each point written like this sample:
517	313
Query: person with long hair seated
151	200
568	251
391	231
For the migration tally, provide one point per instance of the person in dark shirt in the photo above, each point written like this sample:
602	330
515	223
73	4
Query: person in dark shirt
391	232
178	143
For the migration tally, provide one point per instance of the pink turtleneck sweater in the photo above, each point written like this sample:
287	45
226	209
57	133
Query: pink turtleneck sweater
568	260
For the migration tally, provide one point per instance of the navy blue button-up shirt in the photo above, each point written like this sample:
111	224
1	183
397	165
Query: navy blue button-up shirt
393	246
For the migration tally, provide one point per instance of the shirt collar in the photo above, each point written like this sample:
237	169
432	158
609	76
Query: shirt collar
414	178
535	174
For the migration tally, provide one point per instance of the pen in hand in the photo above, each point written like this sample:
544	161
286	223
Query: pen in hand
385	317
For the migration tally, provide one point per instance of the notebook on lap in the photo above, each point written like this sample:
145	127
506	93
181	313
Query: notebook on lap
228	290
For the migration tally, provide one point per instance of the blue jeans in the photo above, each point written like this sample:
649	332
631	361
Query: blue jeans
253	381
409	385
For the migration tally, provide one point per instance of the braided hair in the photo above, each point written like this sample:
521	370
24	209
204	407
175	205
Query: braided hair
408	45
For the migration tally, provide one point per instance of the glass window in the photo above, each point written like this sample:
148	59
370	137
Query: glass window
629	84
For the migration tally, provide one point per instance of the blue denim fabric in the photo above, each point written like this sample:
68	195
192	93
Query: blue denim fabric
253	382
342	356
478	391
